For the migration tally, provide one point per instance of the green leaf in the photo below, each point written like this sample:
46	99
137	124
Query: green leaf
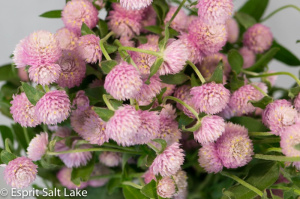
236	82
245	20
293	92
289	194
107	66
110	48
235	60
95	94
19	134
297	146
51	162
147	107
113	184
149	190
8	72
253	125
103	28
217	76
6	133
162	142
52	14
154	68
103	113
160	95
32	94
6	156
161	8
82	174
184	120
195	81
264	60
85	30
125	158
263	102
155	29
285	56
116	103
176	79
255	8
91	71
130	192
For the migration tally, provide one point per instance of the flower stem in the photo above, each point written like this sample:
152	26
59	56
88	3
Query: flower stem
197	71
274	149
106	101
26	135
132	184
150	52
101	43
260	90
277	158
176	12
279	9
183	104
260	134
91	150
154	148
124	53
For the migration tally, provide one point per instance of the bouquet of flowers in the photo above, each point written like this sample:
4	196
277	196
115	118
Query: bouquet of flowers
159	99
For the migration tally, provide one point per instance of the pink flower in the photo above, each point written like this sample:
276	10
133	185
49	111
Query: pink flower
169	130
149	18
234	146
248	56
212	127
66	38
81	101
166	187
152	39
148	176
44	74
180	179
72	69
195	55
215	11
20	54
99	170
147	92
20	172
168	162
88	48
233	30
170	89
78	11
209	158
64	177
53	107
210	98
179	22
123	82
258	38
37	147
110	159
183	93
23	112
297	102
135	4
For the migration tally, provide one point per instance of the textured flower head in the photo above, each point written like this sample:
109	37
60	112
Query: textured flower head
195	55
183	93
212	127
37	146
152	39
23	112
234	146
149	18
99	170
166	187
123	81
248	56
210	98
135	4
110	159
208	38
20	172
209	158
64	177
147	92
81	101
88	48
170	89
233	30
180	179
169	130
53	107
20	55
77	12
179	22
215	11
149	176
44	74
168	162
67	39
258	38
72	69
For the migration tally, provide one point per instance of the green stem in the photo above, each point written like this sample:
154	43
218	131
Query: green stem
26	135
124	53
101	43
277	10
265	141
183	104
154	148
106	101
260	90
176	12
118	147
193	128
197	71
132	184
260	134
285	188
274	149
242	182
91	150
150	52
277	158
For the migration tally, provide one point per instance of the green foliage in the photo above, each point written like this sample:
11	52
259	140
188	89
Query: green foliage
285	56
32	93
132	193
107	66
149	190
176	79
6	133
85	30
6	156
245	20
253	125
263	102
52	14
293	92
217	76
8	72
82	174
255	8
154	68
235	60
103	113
103	28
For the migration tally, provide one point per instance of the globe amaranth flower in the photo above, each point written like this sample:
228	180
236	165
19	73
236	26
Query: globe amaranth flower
123	81
19	57
212	127
180	179
210	98
64	177
99	3
233	30
23	112
99	170
67	39
23	75
227	112
170	89
278	115
234	146
168	112
297	102
44	74
88	48
169	161
37	146
258	38
152	39
81	101
78	118
149	18
148	176
77	12
215	11
110	159
125	22
169	130
166	187
123	126
248	56
135	4
208	38
175	55
72	69
147	92
179	22
20	172
183	93
195	55
209	158
53	107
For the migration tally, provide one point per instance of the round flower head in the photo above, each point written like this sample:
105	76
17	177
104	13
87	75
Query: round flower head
41	48
258	38
168	112
175	56
88	48
123	81
234	146
148	176
169	130
152	39
77	12
37	147
78	118
19	57
23	112
208	38
210	98
144	61
168	162
73	159
44	74
149	18
64	177
248	56
53	107
147	92
22	73
209	159
170	89
179	22
135	4
110	159
227	112
180	179
215	11
297	102
123	126
233	30
66	38
98	171
72	69
195	55
211	129
183	93
166	187
20	172
125	22
81	101
278	115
